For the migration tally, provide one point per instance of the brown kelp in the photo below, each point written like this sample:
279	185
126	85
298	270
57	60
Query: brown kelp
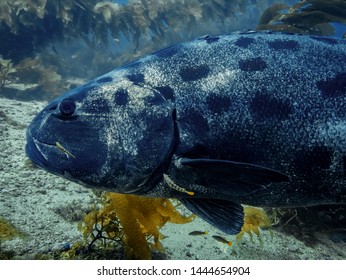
35	23
312	17
307	222
30	75
6	68
255	219
28	25
64	34
131	221
8	231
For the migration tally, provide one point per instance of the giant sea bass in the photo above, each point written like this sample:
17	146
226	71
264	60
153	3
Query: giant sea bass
249	118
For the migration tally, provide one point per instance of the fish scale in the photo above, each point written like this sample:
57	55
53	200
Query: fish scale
253	118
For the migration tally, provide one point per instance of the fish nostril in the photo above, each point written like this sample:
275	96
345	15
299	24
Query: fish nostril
67	107
52	108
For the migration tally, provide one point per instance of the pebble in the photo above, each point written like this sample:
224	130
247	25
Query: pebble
293	247
41	191
61	247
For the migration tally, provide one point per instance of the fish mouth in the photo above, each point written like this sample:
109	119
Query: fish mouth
34	151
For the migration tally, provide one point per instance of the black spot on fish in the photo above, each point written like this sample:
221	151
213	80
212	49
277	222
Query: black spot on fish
167	92
196	121
211	39
121	97
194	73
244	42
96	107
264	106
154	99
218	103
105	80
344	165
284	45
313	160
253	64
136	78
333	87
167	52
327	40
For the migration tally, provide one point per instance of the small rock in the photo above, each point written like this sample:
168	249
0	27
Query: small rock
61	247
293	247
41	191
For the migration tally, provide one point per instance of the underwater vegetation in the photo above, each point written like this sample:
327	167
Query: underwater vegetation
313	17
6	67
304	223
8	231
131	221
30	75
255	219
35	23
29	24
45	44
101	35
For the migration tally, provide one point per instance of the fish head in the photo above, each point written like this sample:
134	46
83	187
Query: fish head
109	134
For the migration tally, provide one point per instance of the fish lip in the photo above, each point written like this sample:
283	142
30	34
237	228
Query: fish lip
33	152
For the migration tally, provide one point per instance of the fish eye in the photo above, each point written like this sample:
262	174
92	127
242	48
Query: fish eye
67	107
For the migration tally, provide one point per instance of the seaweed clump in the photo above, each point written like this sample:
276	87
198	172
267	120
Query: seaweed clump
131	221
310	17
8	231
30	25
6	68
255	219
30	75
306	224
100	35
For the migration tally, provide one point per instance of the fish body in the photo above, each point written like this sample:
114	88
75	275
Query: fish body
222	240
250	118
198	232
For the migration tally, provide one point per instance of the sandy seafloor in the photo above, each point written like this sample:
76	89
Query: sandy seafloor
47	209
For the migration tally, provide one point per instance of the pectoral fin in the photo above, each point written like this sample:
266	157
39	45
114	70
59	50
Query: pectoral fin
230	177
224	215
